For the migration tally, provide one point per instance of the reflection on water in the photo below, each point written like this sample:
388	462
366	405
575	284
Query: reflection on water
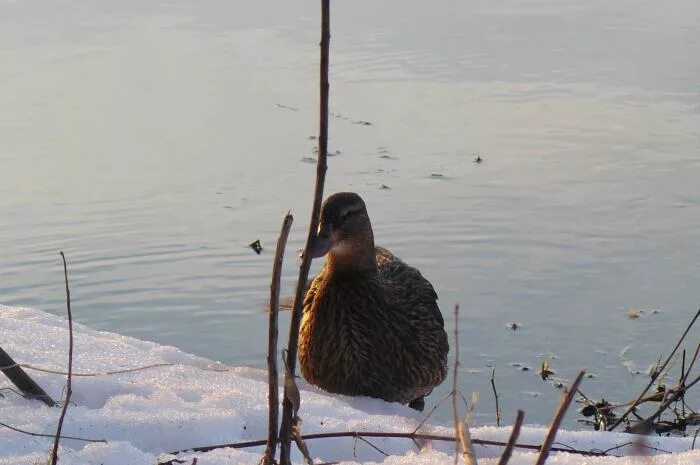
153	142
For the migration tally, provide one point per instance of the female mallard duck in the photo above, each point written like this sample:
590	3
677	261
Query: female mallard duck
371	325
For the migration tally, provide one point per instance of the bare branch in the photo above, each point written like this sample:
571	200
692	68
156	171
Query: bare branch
656	374
461	427
495	395
69	391
554	427
435	407
42	435
690	366
454	382
372	446
377	434
118	372
647	424
321	166
636	444
273	378
508	451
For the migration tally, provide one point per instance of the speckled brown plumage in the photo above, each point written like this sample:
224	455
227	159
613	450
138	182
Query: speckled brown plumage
371	324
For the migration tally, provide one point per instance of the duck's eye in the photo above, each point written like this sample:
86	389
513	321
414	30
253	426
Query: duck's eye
345	215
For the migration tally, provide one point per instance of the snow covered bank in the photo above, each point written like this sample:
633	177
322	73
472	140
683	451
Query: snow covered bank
186	401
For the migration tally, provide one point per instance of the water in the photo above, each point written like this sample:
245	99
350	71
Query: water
151	142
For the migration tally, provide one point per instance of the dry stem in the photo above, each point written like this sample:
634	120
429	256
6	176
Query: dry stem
646	425
461	427
378	434
547	445
495	395
321	166
42	435
273	379
454	382
655	375
684	377
69	391
508	451
117	372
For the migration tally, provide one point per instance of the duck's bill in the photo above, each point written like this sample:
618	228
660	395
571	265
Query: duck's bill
321	246
322	243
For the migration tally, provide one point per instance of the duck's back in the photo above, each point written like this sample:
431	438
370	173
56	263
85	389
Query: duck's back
380	335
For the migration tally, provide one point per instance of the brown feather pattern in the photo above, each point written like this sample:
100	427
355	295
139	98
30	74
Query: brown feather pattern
374	331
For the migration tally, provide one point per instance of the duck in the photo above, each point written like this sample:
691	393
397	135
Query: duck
371	325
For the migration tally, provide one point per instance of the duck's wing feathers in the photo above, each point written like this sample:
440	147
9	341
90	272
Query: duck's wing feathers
412	291
413	300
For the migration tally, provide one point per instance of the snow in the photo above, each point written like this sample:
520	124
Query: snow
186	401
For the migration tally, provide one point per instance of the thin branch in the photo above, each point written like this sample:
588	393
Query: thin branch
461	427
635	444
554	427
680	380
15	392
273	378
321	167
42	435
117	372
454	382
495	395
299	441
656	374
508	451
690	366
646	425
372	446
69	391
435	407
377	434
463	397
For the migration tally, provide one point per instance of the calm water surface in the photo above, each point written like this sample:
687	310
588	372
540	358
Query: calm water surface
152	141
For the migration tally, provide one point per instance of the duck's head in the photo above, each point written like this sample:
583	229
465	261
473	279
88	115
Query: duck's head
344	231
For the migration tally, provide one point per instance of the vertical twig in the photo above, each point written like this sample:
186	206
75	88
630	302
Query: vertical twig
273	380
508	451
690	366
495	395
681	383
454	382
657	373
54	453
554	427
321	166
461	427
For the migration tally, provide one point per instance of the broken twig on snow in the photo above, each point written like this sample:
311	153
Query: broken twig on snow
30	389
